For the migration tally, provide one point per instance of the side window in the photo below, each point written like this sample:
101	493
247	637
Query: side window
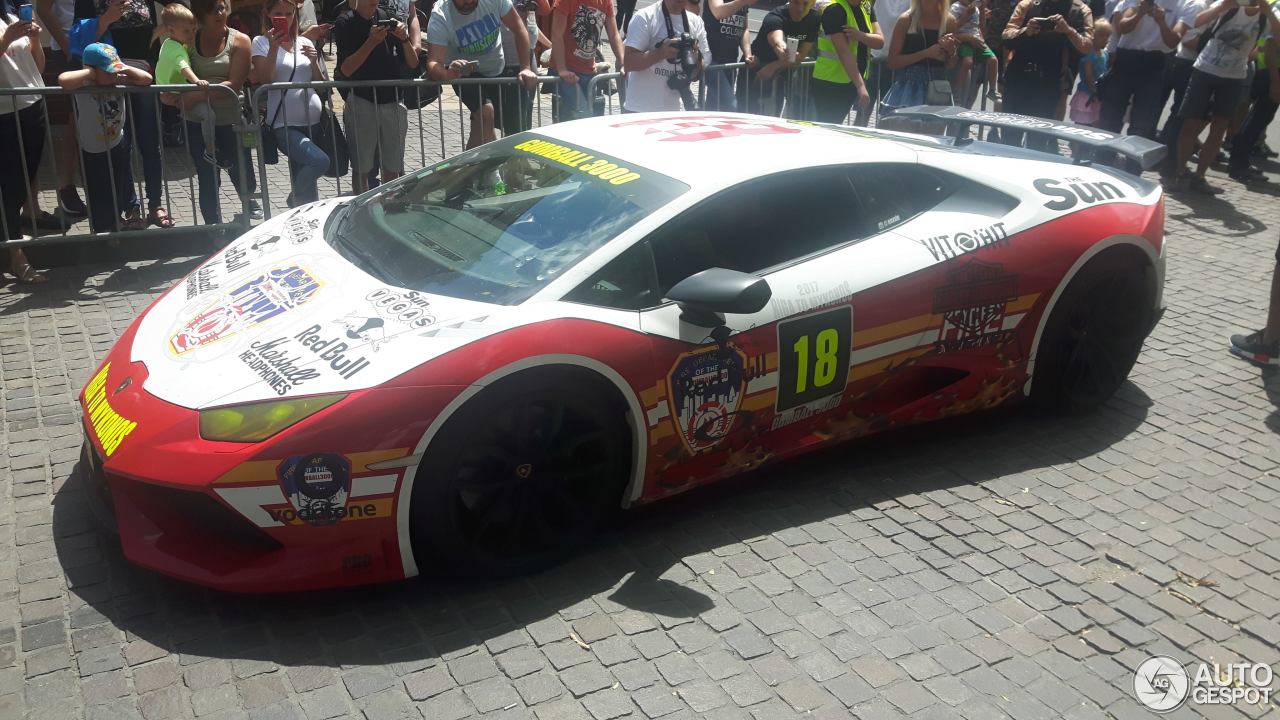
893	194
625	283
758	225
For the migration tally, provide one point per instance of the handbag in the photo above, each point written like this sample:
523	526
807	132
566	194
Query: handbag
937	92
328	136
269	150
420	95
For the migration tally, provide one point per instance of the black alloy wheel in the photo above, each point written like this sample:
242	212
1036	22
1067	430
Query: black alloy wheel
1094	335
520	479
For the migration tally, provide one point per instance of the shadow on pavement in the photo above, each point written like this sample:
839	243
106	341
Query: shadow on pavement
1211	214
142	267
637	566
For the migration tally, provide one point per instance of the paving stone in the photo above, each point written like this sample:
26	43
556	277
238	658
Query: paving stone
1013	565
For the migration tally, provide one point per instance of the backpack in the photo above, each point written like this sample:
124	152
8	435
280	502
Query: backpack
1203	41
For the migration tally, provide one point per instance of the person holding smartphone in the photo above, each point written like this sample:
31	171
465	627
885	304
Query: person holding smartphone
1041	33
372	45
1135	84
285	56
22	125
463	40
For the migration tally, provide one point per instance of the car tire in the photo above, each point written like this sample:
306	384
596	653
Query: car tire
1095	333
525	472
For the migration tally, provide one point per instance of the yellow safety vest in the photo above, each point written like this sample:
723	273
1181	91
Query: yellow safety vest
1261	61
828	66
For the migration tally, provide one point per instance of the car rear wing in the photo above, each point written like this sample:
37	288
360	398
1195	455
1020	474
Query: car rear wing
1146	153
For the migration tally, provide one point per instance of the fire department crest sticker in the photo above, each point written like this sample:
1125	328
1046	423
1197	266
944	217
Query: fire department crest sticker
704	389
255	301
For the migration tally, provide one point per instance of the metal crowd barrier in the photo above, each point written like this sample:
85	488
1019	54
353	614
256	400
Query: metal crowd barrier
435	117
73	229
424	120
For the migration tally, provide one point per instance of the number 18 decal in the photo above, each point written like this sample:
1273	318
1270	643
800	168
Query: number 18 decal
813	356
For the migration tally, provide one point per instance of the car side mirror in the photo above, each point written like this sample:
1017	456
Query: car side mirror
705	297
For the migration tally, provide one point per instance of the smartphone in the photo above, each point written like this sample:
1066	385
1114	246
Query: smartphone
280	25
1046	23
388	24
25	13
472	66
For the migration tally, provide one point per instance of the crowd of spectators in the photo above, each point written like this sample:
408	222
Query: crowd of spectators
1115	64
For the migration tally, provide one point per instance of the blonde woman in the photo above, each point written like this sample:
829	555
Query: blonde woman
920	52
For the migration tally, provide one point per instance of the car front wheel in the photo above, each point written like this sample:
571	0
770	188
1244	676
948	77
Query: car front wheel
526	471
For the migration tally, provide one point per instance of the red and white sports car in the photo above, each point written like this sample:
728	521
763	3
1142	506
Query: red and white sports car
476	363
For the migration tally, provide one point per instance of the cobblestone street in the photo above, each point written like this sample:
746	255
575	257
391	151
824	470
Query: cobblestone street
1012	565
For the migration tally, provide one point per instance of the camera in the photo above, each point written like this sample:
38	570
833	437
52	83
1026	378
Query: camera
684	59
686	65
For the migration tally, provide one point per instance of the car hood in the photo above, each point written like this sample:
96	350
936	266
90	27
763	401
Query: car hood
280	313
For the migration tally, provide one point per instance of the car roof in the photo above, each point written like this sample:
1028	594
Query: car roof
712	149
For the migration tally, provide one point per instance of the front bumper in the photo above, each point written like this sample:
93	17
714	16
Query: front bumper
215	514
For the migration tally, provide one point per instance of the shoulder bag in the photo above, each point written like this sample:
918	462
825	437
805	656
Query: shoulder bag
327	134
937	92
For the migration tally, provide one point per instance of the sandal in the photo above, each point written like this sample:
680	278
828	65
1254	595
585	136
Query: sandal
133	221
26	274
160	218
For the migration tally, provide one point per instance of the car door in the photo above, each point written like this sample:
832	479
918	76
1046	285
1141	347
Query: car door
774	382
713	399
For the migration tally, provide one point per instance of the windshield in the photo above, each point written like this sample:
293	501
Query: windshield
497	223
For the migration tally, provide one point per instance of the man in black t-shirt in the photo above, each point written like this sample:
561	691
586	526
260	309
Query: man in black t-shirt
372	45
726	24
795	24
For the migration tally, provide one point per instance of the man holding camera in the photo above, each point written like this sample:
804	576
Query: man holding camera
666	48
374	46
463	40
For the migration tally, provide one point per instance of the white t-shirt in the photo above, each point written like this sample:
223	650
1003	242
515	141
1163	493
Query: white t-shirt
647	90
17	70
509	43
474	36
65	12
301	106
1227	53
970	26
1190	9
1146	36
100	120
887	14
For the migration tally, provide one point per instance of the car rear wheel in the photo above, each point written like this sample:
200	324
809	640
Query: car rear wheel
1094	334
526	471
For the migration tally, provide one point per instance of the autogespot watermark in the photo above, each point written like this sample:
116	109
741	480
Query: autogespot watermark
1164	684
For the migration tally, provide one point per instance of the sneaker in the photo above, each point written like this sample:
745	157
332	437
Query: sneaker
255	210
1267	152
211	158
70	202
1173	183
1198	184
994	95
1251	348
1249	176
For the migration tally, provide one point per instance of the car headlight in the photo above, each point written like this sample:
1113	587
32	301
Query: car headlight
256	422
